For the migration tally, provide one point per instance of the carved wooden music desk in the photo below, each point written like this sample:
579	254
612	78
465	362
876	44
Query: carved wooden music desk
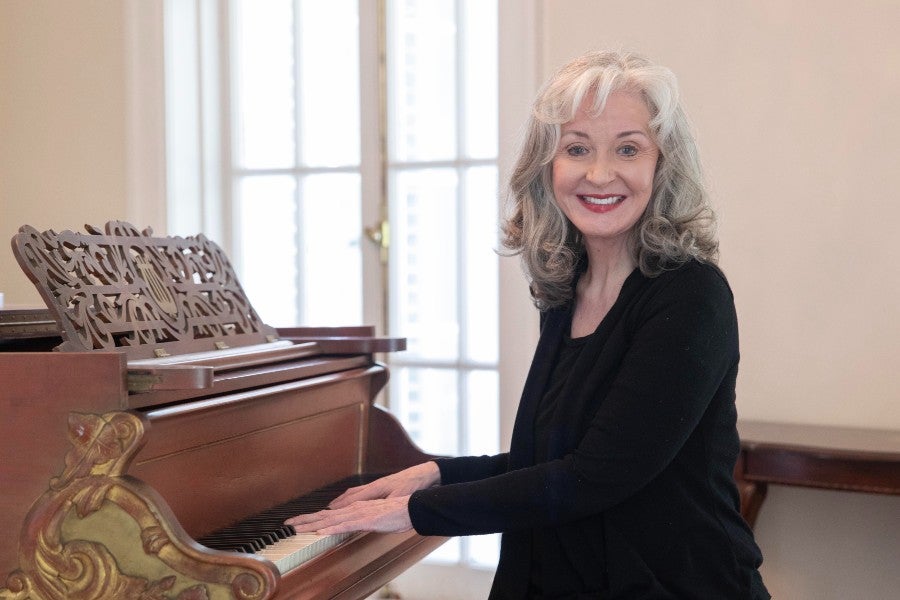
838	458
147	455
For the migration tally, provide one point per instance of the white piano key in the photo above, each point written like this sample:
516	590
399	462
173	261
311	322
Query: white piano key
291	552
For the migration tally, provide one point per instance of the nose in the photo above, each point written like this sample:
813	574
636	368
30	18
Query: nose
600	171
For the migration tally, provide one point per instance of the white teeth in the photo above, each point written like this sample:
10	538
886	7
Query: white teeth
603	201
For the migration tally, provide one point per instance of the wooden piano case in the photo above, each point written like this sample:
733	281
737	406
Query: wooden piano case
170	410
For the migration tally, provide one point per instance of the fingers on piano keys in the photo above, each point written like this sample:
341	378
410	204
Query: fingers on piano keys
266	535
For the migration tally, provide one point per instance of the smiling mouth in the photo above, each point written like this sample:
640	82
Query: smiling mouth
605	200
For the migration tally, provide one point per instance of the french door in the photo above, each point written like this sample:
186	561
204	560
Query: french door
345	154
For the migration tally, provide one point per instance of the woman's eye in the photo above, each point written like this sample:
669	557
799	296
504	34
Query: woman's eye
628	150
576	150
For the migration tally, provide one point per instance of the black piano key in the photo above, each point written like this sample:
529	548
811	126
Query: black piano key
267	527
244	541
231	544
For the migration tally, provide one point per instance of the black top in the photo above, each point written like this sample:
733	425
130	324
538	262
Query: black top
569	351
622	483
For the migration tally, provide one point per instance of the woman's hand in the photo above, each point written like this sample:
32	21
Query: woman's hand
378	506
402	483
386	515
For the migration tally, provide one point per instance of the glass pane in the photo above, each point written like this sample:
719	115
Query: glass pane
266	221
263	83
484	550
480	67
424	262
483	414
329	82
445	554
483	431
426	403
331	256
422	79
480	246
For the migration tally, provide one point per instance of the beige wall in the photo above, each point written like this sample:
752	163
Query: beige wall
62	122
796	108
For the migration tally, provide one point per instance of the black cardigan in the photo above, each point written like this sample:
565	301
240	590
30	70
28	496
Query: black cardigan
638	498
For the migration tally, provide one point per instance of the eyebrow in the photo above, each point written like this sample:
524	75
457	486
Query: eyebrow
632	132
623	134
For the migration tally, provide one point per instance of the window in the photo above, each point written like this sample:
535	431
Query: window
274	150
283	147
442	189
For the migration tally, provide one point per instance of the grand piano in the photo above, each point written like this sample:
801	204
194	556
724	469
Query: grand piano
154	432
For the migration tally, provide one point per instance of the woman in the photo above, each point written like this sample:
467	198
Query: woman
618	482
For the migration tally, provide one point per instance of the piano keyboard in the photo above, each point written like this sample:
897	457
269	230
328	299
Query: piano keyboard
292	552
266	535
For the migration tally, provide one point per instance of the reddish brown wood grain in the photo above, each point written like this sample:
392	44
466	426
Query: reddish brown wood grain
814	456
37	392
262	434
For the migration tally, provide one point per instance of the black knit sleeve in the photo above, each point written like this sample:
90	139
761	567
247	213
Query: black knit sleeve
471	468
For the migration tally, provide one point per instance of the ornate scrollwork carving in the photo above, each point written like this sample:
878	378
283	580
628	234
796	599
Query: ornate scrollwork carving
127	290
100	534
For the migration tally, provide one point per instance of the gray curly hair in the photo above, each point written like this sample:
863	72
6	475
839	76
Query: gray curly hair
678	224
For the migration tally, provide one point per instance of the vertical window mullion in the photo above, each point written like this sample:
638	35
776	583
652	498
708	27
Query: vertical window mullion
459	12
230	109
462	420
462	248
298	78
198	65
301	308
462	285
223	121
460	242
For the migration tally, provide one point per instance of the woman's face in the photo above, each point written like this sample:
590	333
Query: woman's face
603	168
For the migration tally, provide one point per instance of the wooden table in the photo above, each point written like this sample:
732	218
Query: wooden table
838	458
